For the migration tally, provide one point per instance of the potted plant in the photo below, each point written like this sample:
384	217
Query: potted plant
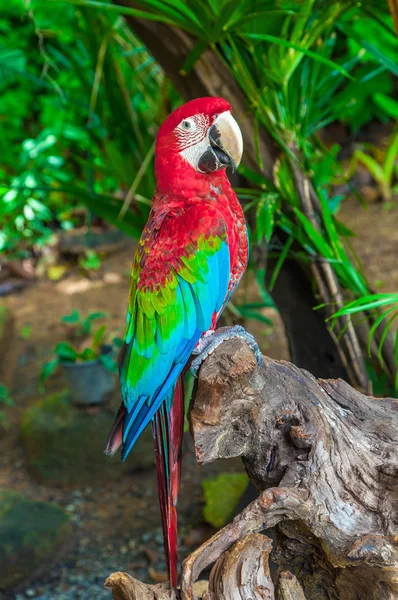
89	363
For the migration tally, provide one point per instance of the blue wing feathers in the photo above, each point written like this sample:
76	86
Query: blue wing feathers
146	413
172	343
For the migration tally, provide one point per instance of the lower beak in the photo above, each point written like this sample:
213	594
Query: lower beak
226	140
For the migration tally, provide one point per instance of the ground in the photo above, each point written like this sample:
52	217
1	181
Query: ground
116	525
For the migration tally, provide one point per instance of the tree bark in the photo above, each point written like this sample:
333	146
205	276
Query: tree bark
324	458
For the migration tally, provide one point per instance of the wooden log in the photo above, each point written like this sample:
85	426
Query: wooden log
324	458
241	573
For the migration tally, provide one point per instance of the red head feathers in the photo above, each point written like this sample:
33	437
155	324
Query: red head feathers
207	106
194	145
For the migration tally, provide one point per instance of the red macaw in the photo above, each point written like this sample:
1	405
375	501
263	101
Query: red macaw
191	257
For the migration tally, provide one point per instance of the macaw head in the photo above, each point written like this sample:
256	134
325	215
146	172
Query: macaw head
199	138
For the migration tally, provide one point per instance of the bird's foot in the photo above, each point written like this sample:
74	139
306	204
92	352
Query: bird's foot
211	340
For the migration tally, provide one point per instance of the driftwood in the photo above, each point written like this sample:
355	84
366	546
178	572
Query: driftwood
324	458
240	573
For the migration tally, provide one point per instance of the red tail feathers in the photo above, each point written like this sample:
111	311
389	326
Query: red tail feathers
115	438
167	432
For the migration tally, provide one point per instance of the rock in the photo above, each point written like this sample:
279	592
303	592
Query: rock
7	345
65	446
30	534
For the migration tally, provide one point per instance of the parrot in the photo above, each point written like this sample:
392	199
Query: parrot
191	256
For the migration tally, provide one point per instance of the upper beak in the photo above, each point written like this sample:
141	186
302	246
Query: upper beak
226	140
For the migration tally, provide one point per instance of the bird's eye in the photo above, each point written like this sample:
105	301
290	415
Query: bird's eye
186	125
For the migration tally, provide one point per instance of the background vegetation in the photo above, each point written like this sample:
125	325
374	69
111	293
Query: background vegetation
84	86
81	99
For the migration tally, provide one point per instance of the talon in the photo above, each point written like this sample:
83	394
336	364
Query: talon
211	340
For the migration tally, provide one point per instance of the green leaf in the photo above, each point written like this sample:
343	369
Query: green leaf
287	44
377	323
265	215
118	342
40	209
71	319
387	104
48	369
383	337
91	261
98	337
227	14
25	332
281	259
5	396
372	48
105	206
371	164
170	15
12	63
87	354
65	351
94	316
314	236
109	362
257	178
390	160
369	302
222	494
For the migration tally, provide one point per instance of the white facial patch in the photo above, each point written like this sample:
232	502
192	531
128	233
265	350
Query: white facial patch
192	154
191	131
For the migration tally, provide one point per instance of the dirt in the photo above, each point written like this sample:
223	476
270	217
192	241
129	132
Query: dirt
117	525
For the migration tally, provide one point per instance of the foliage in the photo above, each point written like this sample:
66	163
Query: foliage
88	108
382	319
384	172
24	212
222	493
90	261
82	325
6	400
93	346
90	99
301	66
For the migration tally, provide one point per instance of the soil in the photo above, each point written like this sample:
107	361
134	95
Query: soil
117	525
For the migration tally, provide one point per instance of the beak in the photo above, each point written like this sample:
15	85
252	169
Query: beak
226	140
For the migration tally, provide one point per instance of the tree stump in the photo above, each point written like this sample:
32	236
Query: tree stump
324	458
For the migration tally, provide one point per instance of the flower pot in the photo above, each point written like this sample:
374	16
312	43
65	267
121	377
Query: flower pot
89	382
